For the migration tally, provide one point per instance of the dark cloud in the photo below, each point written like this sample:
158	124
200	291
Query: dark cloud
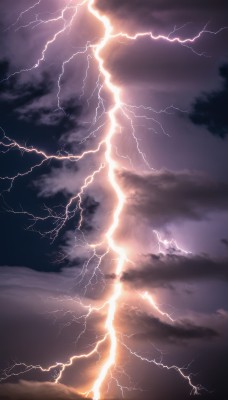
163	271
225	242
166	196
34	101
210	110
158	12
147	326
37	391
163	5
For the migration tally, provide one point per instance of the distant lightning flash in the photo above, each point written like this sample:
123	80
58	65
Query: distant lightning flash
109	164
166	246
149	298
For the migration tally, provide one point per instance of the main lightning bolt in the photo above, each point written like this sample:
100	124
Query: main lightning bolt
110	165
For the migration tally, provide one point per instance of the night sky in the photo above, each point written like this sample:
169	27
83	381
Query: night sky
172	166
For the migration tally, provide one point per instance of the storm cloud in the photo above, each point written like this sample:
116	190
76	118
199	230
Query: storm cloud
41	306
25	390
163	271
224	241
164	15
210	110
161	5
166	196
143	7
147	326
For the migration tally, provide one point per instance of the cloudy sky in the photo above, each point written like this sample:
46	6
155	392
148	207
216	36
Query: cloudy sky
170	150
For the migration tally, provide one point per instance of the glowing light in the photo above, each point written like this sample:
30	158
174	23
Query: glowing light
166	246
149	298
110	164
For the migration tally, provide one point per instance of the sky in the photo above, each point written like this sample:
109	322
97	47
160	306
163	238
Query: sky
170	151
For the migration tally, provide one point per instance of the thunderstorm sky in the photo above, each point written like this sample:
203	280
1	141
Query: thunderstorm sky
172	168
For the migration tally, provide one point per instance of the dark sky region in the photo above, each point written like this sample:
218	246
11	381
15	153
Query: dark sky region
183	196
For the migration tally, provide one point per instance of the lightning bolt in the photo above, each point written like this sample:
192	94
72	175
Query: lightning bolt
146	296
165	246
107	149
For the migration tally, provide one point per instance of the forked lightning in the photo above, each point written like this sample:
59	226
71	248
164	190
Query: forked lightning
109	164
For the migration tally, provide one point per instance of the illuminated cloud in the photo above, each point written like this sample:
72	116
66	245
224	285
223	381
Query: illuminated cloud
37	391
54	101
